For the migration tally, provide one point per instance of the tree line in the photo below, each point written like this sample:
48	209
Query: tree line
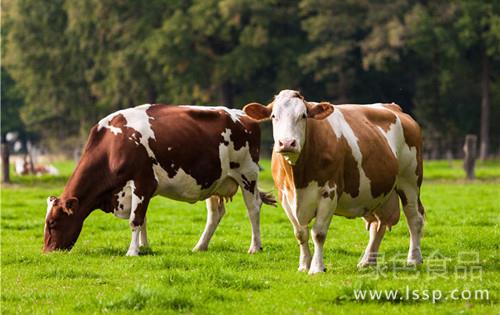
67	63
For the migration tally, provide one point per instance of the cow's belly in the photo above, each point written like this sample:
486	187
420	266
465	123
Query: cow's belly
183	187
359	206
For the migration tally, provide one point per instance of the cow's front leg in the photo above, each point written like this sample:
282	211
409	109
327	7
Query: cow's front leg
319	232
253	203
302	235
137	220
215	212
143	240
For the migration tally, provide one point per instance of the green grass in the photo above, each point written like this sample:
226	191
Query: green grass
96	276
441	169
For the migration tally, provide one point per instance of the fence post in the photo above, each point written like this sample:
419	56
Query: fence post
470	148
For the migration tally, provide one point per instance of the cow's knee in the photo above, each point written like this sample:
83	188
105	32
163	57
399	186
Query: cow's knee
319	237
301	235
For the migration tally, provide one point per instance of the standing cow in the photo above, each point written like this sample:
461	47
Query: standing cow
186	153
347	160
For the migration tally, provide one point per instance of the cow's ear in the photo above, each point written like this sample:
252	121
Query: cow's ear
50	200
71	205
320	111
258	111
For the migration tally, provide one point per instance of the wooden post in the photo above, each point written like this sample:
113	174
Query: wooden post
5	163
470	148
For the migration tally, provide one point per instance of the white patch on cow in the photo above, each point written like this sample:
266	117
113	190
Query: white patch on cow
137	119
124	200
393	135
169	148
235	114
179	187
306	203
228	153
123	208
50	203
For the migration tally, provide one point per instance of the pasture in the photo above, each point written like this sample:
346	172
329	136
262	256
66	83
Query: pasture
460	248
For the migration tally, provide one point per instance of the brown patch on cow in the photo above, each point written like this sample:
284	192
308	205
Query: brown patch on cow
320	237
297	94
351	176
378	161
382	118
233	165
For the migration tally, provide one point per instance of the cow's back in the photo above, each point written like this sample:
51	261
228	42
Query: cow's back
183	148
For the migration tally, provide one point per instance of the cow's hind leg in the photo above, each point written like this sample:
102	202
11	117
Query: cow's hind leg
253	204
377	222
414	213
215	212
377	231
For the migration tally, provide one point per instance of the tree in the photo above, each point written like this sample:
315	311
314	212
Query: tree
478	29
10	121
47	69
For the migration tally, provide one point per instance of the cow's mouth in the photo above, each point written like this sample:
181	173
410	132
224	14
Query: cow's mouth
291	156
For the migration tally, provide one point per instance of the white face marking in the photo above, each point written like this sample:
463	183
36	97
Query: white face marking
289	118
235	114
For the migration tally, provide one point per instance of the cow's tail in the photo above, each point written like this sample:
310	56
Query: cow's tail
267	198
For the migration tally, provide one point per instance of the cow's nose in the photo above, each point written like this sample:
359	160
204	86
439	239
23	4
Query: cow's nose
287	144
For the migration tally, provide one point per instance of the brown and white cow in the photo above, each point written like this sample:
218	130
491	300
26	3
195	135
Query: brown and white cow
186	153
347	160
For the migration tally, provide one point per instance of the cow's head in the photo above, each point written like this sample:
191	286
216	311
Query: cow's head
289	113
62	224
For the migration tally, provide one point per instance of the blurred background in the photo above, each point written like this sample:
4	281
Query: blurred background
66	64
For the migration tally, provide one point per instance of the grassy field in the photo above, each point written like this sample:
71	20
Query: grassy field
460	248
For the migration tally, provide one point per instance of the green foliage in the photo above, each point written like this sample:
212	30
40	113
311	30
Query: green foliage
11	103
96	277
74	61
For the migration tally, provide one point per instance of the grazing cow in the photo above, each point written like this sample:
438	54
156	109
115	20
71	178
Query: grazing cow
186	153
347	160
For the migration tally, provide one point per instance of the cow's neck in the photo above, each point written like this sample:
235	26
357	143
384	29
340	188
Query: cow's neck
316	161
88	184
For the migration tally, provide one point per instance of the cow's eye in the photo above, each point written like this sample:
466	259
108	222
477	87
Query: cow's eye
273	116
304	115
51	224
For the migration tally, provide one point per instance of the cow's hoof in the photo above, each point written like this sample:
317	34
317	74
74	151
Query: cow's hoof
254	249
132	252
303	268
316	270
200	248
414	261
366	263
